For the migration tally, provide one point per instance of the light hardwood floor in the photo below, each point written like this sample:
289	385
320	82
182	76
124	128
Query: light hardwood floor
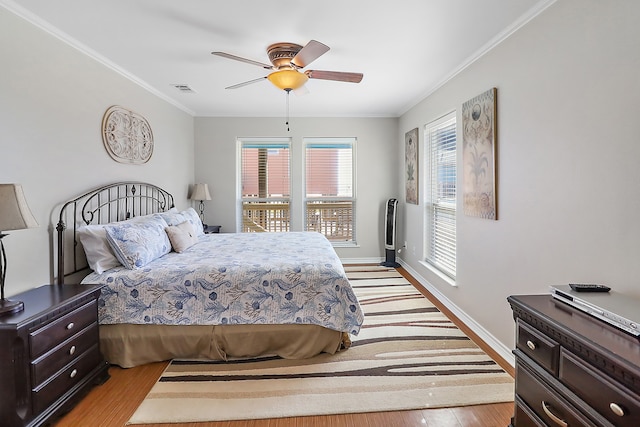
112	403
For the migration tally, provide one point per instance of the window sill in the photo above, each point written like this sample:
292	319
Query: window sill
345	245
440	274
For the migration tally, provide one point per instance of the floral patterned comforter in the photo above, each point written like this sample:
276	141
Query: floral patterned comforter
235	278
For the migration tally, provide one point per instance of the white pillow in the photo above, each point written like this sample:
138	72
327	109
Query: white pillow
96	248
182	236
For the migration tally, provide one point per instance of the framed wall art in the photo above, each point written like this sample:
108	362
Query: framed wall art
127	136
411	165
479	116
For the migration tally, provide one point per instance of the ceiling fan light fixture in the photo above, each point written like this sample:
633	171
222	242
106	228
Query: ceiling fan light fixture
288	79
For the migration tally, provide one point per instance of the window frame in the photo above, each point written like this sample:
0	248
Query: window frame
243	143
308	142
440	246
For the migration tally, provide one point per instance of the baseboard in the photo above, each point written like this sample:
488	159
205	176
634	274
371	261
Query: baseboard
501	350
361	260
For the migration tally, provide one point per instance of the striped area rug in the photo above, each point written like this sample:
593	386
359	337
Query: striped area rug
408	355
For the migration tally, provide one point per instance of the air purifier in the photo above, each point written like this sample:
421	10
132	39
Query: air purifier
391	209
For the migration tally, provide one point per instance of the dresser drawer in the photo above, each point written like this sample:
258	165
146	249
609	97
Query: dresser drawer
43	339
66	379
613	401
544	402
524	416
537	346
52	362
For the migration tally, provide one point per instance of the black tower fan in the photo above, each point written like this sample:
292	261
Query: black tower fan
390	234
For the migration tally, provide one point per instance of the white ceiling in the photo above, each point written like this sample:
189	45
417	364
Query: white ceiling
405	48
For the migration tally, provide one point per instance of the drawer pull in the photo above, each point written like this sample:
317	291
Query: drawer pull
70	326
616	409
73	373
72	350
547	410
531	345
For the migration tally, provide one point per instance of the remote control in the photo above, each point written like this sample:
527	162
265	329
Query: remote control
588	287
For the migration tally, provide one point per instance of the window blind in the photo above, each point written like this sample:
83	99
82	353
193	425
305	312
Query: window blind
329	170
441	147
265	170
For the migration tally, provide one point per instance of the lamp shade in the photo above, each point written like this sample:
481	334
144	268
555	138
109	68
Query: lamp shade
14	211
200	192
287	79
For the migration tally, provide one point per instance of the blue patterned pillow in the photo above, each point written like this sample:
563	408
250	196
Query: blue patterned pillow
137	244
192	216
173	217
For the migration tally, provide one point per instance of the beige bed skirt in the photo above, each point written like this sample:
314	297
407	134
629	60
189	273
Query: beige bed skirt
130	345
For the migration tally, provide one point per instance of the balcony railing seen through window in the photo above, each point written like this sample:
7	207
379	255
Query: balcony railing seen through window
333	219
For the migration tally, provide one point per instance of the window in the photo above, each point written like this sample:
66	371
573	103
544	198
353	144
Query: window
265	184
329	188
440	149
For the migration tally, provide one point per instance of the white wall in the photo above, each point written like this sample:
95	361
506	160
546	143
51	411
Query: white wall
377	157
568	185
52	100
568	92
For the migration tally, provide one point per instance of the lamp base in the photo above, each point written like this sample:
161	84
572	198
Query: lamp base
10	307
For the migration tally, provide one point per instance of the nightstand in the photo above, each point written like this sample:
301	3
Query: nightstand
49	353
210	229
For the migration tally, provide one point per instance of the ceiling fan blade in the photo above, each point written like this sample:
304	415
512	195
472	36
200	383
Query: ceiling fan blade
238	58
334	75
301	91
246	83
312	51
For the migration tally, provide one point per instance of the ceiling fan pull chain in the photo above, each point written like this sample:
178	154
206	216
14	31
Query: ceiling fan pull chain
287	122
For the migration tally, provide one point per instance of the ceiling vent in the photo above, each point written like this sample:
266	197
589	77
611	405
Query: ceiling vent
183	88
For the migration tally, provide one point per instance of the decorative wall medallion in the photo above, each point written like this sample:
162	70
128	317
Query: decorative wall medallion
127	136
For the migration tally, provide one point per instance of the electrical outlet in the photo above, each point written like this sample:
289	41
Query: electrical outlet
405	244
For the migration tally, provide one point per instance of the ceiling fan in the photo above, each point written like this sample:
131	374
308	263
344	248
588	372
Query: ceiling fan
287	60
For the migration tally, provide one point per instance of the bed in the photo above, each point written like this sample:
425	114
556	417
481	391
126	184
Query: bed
172	291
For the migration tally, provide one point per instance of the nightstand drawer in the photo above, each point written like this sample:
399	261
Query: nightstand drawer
544	402
538	346
66	379
613	401
52	362
50	335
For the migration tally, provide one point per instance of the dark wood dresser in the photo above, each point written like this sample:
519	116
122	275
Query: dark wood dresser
572	369
49	353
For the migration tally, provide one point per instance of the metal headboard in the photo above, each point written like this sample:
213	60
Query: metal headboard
109	203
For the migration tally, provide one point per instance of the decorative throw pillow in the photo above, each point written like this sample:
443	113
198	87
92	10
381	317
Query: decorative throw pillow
137	244
182	236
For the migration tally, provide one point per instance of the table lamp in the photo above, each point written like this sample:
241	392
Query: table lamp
201	193
14	215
